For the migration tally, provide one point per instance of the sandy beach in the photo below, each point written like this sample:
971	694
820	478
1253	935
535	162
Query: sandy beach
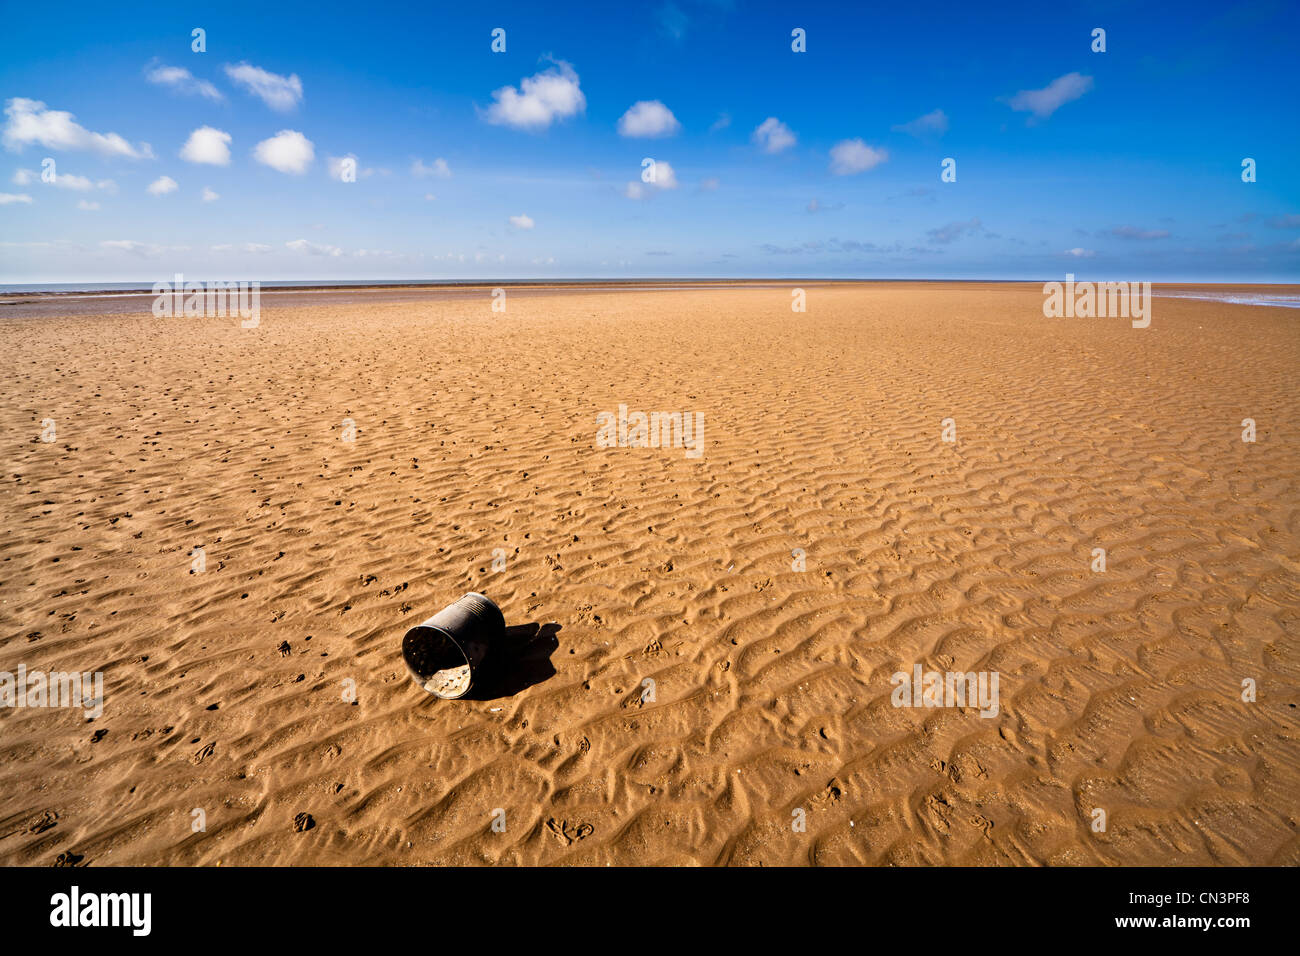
825	538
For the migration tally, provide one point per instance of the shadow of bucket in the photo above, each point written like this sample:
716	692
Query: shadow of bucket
443	653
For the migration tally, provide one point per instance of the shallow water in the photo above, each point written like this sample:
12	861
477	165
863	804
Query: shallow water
1239	298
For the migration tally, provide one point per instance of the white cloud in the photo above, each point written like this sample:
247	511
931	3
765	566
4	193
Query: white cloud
336	167
132	246
1043	103
88	206
252	247
209	195
182	81
665	178
648	119
851	156
710	184
722	122
207	145
31	123
773	135
313	248
521	222
7	198
72	181
281	93
288	151
430	197
541	99
162	186
25	177
438	168
933	123
1078	253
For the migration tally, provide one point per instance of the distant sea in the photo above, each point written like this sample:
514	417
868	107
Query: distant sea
147	286
1239	294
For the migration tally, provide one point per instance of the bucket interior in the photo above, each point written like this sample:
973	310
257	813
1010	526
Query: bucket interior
436	662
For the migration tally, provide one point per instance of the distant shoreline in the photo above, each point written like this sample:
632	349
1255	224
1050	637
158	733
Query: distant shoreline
74	289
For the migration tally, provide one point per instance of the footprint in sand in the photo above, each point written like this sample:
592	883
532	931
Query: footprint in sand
45	821
568	833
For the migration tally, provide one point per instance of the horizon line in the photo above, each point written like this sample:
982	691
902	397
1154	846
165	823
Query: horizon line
147	287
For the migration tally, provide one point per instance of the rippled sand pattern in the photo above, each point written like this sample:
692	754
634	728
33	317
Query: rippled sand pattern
228	691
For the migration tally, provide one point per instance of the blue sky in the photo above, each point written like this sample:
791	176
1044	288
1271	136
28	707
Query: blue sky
528	163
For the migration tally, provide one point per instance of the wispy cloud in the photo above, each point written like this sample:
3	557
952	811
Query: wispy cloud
1043	103
934	123
817	205
772	135
73	181
257	248
26	177
281	93
851	156
437	168
181	80
31	123
672	21
162	186
522	222
143	249
835	246
1132	232
313	248
337	165
954	231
